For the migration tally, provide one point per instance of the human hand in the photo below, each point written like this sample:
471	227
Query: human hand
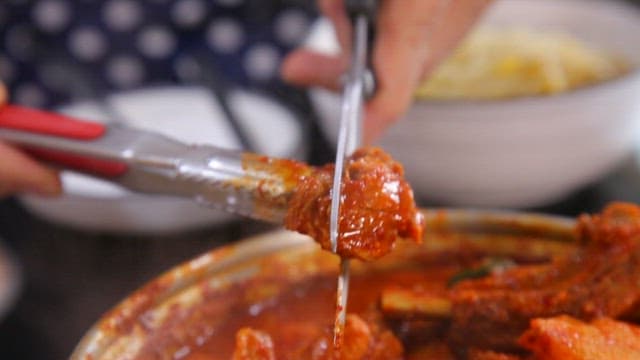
20	173
412	38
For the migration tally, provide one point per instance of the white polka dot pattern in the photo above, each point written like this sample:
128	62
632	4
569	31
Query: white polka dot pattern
261	62
188	13
125	71
87	43
53	51
225	35
290	26
122	15
51	15
156	42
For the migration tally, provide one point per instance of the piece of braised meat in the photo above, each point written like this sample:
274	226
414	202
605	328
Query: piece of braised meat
362	341
253	345
376	206
566	338
600	279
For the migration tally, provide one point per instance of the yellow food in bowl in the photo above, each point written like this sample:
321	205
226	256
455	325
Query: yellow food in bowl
494	64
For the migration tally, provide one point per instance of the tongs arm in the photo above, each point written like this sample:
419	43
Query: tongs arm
142	161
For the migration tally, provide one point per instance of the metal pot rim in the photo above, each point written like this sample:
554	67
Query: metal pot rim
105	332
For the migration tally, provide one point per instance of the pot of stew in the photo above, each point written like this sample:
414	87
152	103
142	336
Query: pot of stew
482	285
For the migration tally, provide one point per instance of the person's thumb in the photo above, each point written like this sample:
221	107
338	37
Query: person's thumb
20	173
308	68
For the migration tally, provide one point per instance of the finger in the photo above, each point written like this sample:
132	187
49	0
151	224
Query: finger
307	68
399	52
4	97
457	18
19	173
403	55
374	124
335	11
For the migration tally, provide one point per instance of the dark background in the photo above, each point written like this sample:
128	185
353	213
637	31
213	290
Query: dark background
71	277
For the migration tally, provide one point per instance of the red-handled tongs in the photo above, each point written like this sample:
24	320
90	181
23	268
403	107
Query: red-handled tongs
142	161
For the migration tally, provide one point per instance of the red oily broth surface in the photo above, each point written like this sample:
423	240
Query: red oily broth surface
298	315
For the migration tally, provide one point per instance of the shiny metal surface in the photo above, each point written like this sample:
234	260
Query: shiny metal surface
212	176
349	139
350	133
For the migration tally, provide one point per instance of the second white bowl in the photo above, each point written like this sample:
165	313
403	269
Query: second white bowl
519	152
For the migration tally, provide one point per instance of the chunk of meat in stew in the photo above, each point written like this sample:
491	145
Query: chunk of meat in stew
566	338
376	206
253	345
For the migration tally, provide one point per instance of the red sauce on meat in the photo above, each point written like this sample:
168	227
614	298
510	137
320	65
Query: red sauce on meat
376	207
253	345
567	338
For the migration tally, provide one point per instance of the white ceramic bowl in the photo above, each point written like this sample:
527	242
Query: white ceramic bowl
519	152
187	114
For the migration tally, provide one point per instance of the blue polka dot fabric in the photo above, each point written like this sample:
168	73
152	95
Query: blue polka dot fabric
55	51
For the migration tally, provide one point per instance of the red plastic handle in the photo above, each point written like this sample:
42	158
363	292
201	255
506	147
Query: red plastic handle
105	168
46	123
40	122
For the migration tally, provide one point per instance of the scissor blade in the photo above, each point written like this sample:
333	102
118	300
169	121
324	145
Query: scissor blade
349	135
341	302
349	138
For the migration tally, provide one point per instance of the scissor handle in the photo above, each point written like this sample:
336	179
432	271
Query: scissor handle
369	8
24	121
